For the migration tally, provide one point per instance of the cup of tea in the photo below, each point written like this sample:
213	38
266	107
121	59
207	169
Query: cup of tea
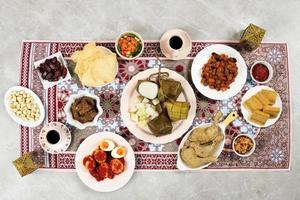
175	44
55	137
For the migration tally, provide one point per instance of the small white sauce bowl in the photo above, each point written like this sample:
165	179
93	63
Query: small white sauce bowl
250	152
270	68
124	33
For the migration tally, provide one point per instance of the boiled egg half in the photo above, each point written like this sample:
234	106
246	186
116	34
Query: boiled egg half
118	152
107	145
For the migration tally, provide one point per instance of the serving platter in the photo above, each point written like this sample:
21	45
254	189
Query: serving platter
17	119
202	58
107	185
179	127
218	150
246	113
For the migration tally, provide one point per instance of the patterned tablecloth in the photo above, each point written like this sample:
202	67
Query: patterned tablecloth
273	144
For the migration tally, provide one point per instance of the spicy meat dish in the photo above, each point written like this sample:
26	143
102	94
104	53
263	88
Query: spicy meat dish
219	72
84	109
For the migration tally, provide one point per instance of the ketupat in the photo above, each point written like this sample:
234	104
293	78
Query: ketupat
160	125
169	90
177	110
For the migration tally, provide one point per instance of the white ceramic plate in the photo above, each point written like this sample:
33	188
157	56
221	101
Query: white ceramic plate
64	135
47	84
247	114
179	127
107	185
68	112
202	58
37	100
182	166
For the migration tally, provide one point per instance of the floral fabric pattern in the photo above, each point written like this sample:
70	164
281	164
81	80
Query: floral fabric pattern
272	143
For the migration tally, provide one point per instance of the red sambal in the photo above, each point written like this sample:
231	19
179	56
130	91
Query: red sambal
260	72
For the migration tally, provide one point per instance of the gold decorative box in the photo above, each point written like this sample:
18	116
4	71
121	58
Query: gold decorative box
252	37
28	163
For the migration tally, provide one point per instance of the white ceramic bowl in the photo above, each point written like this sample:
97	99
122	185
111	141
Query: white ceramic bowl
47	84
270	68
37	100
116	44
68	112
250	152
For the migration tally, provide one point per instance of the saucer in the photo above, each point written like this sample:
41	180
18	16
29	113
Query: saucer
64	142
168	51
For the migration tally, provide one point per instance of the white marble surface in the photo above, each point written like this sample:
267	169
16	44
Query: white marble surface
97	20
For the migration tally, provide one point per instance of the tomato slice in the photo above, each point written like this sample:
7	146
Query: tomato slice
102	170
87	158
89	162
95	174
117	166
99	156
110	174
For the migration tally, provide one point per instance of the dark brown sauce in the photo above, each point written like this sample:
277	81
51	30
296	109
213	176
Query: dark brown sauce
53	137
175	42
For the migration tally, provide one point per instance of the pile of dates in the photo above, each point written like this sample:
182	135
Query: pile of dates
52	70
